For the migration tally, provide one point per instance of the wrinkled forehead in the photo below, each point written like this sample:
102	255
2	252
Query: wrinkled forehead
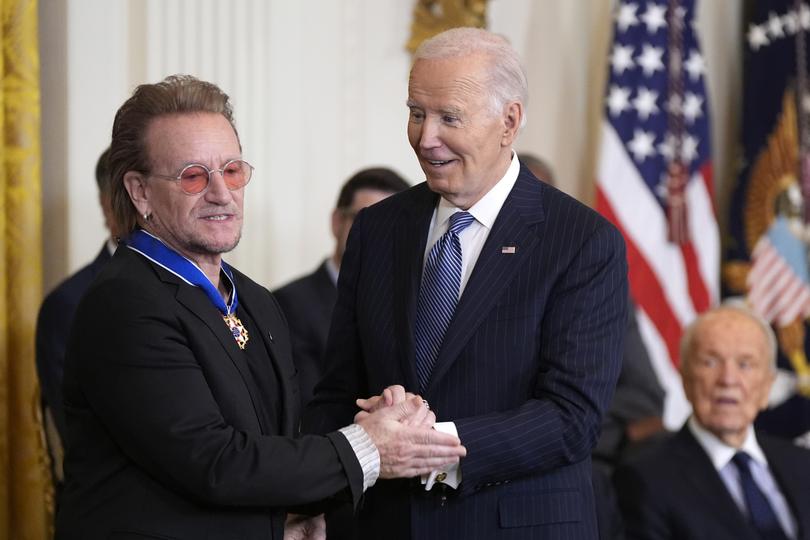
193	136
462	75
731	330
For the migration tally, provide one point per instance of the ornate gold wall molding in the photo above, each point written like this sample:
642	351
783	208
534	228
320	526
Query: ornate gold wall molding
431	17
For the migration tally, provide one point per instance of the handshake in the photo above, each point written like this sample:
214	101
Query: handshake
401	426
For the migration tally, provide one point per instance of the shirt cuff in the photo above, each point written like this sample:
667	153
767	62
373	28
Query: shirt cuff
366	453
450	475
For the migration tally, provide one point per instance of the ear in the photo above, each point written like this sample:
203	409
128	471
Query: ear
683	371
135	183
337	217
770	378
512	117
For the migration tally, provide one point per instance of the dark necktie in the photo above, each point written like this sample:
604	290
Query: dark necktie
438	295
760	511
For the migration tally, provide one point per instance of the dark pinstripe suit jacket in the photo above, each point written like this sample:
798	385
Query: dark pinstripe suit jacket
527	367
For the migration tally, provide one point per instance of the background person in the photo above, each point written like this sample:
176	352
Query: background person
308	301
53	326
718	477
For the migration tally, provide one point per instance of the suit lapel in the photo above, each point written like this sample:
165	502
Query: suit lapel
289	403
513	228
195	300
796	493
409	252
705	483
100	261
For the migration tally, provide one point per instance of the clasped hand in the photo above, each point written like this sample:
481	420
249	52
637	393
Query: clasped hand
401	426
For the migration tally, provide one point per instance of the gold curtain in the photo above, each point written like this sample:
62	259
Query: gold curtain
25	497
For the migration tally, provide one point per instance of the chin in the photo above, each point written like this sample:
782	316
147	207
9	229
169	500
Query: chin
217	246
441	185
229	246
728	426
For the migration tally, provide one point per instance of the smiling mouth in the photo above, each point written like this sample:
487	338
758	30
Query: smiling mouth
439	162
218	217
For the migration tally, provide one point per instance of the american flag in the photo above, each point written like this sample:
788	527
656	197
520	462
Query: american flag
654	177
778	284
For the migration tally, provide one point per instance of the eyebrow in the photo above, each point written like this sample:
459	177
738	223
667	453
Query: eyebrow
448	110
205	162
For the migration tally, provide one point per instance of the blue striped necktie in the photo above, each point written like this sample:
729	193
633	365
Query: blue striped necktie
760	511
438	295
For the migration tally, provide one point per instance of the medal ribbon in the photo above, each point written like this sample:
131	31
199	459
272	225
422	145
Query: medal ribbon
159	253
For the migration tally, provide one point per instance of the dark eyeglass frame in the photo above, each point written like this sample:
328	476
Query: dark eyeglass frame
179	177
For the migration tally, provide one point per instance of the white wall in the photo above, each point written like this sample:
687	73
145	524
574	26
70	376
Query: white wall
319	90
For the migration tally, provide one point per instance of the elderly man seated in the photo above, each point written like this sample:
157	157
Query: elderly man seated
718	478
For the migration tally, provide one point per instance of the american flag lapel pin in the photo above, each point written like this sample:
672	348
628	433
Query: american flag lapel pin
509	250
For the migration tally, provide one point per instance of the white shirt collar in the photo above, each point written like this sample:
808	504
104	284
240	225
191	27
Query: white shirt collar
719	452
332	269
486	210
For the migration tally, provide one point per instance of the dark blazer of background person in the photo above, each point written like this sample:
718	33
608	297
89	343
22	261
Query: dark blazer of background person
56	316
527	367
672	491
307	302
53	326
144	336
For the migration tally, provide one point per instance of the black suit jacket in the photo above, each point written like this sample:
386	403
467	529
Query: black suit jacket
170	434
53	326
308	302
527	366
638	395
672	491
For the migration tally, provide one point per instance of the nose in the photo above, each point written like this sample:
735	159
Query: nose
217	192
728	373
429	134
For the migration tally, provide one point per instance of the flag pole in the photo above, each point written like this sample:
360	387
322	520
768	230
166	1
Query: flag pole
677	173
801	112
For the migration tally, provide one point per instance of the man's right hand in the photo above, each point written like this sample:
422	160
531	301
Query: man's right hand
409	450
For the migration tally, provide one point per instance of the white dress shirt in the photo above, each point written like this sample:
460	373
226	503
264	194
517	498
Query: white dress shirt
720	455
485	211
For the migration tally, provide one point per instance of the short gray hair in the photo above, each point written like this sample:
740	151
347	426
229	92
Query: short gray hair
736	306
507	77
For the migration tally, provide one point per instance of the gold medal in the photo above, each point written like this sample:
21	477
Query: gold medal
240	333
